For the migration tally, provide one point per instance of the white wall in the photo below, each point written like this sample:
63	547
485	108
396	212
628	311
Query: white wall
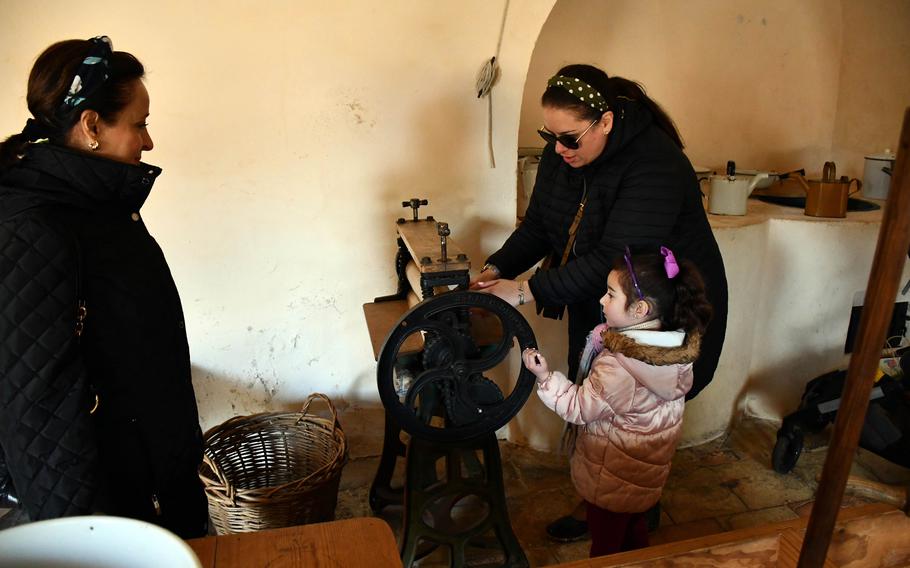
874	87
771	84
792	284
289	133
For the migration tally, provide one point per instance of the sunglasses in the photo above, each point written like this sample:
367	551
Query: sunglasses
566	140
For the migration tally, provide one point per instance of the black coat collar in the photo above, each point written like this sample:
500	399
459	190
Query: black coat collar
51	174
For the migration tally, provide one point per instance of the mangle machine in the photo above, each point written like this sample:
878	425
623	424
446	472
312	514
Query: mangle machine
432	352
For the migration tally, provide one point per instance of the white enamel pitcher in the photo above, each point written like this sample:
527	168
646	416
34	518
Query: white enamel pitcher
729	193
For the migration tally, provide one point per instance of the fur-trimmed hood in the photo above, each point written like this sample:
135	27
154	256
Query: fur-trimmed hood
617	342
656	367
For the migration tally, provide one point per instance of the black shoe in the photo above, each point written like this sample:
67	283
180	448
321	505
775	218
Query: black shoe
568	529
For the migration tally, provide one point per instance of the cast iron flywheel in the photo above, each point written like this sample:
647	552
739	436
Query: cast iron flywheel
448	398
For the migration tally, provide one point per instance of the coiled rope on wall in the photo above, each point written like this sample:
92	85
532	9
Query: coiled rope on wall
486	78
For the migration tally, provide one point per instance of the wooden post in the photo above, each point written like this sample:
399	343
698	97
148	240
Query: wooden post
887	267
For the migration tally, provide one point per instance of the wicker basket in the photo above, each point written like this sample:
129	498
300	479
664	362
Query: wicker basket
273	469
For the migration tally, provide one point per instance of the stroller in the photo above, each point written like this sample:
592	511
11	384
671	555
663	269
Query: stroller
886	430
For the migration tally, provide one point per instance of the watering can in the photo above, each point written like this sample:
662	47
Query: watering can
729	192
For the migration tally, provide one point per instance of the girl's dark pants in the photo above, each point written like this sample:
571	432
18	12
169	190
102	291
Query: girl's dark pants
616	532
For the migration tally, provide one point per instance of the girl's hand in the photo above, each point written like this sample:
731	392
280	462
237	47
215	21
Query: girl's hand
535	363
512	291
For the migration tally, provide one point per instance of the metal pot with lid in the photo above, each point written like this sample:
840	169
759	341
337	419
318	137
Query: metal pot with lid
877	174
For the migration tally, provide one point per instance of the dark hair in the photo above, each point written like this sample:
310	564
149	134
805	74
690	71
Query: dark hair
612	88
681	302
49	81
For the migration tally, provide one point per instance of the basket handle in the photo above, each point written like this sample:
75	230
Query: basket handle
231	494
327	401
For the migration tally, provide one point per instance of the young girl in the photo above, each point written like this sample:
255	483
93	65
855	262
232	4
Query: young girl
630	405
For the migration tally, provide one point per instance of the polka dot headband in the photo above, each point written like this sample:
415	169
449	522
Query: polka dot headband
585	92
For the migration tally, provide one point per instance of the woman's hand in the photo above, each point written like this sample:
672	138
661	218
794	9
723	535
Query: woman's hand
486	277
515	292
535	363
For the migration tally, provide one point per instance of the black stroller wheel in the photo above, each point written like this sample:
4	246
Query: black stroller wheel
786	452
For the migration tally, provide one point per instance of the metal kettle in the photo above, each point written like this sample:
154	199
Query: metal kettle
827	197
729	193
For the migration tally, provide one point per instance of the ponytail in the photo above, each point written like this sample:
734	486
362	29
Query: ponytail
614	89
622	88
692	311
11	149
681	302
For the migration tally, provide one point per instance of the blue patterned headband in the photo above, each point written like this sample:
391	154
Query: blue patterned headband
92	73
585	92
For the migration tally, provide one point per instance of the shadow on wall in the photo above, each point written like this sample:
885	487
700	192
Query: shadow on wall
361	420
423	171
444	179
221	396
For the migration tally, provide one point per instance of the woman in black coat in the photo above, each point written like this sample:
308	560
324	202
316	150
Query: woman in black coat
613	162
97	409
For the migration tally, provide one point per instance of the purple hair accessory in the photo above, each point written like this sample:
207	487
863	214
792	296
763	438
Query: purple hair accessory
628	257
669	262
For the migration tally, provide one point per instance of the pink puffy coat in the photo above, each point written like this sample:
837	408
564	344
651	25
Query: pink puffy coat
630	410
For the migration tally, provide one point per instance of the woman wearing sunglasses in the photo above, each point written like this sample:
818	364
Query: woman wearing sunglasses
613	173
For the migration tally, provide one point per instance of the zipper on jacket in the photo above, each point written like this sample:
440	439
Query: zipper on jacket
156	504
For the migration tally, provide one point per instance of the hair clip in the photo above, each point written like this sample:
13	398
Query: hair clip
628	257
670	264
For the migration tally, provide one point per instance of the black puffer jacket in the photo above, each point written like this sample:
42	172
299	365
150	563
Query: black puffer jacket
642	191
70	229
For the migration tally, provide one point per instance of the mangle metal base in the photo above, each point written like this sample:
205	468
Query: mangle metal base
463	506
382	494
454	496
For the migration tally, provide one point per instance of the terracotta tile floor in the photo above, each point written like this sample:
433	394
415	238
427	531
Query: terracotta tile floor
723	485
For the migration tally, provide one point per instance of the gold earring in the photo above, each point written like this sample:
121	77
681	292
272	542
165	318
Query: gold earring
93	145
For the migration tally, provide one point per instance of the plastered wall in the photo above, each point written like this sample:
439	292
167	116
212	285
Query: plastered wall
772	85
289	133
874	84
